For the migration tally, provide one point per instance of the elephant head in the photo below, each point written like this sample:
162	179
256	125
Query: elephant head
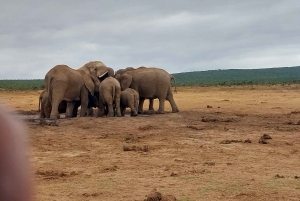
122	71
97	69
125	80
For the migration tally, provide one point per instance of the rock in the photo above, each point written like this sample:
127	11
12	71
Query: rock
168	198
153	196
247	141
174	174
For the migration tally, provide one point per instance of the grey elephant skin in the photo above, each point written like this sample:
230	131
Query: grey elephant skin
129	98
98	69
63	83
45	105
150	83
109	97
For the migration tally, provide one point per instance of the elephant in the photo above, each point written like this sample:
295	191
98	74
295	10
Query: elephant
109	95
45	106
129	98
151	108
122	71
63	83
150	83
98	69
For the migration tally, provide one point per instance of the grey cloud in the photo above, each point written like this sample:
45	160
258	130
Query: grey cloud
176	35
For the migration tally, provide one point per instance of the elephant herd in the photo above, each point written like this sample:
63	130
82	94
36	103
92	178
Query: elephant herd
96	85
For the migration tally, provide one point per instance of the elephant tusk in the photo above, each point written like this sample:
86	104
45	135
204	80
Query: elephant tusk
103	74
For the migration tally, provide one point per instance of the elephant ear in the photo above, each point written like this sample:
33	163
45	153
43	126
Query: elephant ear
125	81
89	83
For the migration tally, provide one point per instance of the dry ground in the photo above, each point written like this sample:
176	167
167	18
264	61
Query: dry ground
196	154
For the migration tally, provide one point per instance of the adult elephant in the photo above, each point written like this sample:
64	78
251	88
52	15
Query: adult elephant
151	108
151	100
150	83
98	69
63	83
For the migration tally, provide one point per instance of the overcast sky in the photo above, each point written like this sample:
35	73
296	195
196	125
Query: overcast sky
176	35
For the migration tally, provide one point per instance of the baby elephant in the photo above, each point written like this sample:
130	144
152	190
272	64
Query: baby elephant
129	98
109	96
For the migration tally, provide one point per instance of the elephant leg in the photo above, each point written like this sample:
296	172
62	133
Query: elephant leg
161	109
133	111
123	109
54	110
133	108
83	110
42	111
70	109
172	102
47	109
57	97
151	104
117	103
101	111
75	110
110	110
141	103
90	112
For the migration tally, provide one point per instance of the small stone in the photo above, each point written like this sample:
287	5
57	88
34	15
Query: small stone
209	163
277	176
262	141
247	141
266	137
174	173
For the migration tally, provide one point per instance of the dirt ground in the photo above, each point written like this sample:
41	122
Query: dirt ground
210	150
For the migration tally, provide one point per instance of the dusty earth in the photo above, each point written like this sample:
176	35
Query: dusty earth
210	150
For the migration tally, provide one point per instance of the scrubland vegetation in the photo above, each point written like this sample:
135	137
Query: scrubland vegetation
283	75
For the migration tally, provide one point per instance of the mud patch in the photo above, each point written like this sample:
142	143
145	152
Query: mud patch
144	148
23	112
230	141
50	174
195	127
147	127
157	196
218	119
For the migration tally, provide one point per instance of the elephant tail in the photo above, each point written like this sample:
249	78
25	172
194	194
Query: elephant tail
113	91
173	78
39	109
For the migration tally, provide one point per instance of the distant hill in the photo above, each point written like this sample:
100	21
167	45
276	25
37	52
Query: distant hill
240	76
284	75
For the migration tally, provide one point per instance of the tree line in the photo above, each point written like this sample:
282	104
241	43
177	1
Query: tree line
283	75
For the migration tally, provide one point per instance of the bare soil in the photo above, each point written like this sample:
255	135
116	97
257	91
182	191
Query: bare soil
211	150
